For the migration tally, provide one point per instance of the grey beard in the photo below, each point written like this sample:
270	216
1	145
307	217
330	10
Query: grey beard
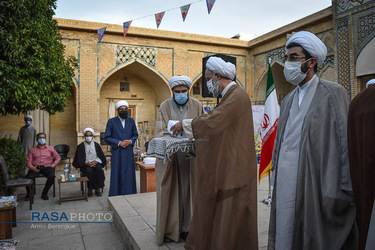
216	90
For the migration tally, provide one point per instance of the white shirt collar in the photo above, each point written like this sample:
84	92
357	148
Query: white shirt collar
302	89
226	88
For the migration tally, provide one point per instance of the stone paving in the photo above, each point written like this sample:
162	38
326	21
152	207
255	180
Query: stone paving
135	219
133	227
76	235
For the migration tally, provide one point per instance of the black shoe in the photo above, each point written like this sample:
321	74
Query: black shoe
27	198
45	197
90	193
98	193
184	235
167	240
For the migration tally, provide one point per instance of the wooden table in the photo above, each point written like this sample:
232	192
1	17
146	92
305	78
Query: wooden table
7	214
147	176
78	197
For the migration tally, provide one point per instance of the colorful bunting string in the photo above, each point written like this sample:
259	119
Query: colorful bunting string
184	11
210	4
126	27
101	34
158	18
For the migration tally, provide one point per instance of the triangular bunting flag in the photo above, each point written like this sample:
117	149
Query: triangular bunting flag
158	18
126	27
210	4
101	34
184	11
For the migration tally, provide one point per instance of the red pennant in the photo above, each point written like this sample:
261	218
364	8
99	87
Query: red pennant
158	18
184	11
126	27
210	4
101	34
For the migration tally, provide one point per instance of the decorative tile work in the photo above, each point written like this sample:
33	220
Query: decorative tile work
343	65
328	38
127	53
364	30
345	5
330	60
275	55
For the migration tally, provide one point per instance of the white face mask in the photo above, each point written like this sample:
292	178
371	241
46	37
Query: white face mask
293	73
214	88
88	139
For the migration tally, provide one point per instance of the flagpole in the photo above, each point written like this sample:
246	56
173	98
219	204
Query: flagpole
268	201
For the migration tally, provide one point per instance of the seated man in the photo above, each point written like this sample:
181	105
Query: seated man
90	159
42	159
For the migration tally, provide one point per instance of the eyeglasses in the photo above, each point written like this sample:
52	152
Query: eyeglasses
292	58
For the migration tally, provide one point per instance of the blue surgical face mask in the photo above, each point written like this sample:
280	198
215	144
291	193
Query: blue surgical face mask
42	141
28	123
181	98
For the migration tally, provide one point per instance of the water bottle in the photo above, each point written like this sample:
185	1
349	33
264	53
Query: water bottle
66	172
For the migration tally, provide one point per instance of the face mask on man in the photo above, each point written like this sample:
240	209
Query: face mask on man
28	123
41	141
123	114
293	73
213	87
181	98
88	139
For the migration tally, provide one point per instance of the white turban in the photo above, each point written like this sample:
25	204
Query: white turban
28	116
121	103
218	65
180	80
311	43
372	81
88	129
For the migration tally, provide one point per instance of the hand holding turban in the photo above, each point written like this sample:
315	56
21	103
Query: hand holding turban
223	68
311	43
179	81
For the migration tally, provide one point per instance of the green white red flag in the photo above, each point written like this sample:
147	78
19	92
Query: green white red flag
269	127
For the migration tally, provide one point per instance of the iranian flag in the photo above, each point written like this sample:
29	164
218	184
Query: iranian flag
269	126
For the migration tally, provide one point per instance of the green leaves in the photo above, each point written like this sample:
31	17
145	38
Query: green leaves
14	158
34	73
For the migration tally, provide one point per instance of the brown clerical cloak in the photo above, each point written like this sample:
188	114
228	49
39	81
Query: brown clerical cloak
225	208
361	146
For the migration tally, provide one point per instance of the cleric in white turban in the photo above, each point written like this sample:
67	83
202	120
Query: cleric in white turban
174	209
372	81
180	81
90	159
218	65
226	166
120	104
311	43
121	134
88	129
312	191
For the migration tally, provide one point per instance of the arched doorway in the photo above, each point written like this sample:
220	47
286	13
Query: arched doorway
364	69
282	86
142	87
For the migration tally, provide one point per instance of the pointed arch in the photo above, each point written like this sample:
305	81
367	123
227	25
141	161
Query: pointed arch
282	86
